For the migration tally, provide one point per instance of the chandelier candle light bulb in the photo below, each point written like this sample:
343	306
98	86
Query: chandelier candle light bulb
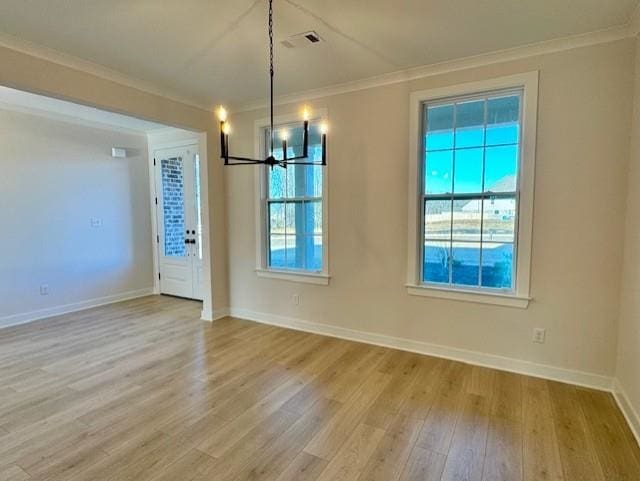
222	114
324	128
305	132
284	135
224	132
271	160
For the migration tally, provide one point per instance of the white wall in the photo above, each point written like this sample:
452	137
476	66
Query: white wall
580	193
628	370
54	177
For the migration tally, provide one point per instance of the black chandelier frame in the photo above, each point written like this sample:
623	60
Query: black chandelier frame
271	161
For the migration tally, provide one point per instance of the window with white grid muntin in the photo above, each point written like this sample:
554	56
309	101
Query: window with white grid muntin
470	196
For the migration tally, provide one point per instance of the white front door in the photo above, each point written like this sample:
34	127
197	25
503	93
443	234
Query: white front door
179	221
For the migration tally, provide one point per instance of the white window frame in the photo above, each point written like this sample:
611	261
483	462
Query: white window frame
520	296
261	222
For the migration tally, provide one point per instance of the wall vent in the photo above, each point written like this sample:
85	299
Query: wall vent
302	40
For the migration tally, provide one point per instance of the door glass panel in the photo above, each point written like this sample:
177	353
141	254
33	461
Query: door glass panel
173	207
196	190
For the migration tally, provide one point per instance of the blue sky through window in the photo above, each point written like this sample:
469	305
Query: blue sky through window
471	148
295	206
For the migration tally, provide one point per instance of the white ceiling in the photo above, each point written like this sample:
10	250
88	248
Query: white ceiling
210	50
69	111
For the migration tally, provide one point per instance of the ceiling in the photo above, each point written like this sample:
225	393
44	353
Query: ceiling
212	50
37	104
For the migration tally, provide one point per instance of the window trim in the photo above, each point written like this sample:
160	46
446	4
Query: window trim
261	222
519	297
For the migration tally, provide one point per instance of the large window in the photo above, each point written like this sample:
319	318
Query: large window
470	190
294	205
474	172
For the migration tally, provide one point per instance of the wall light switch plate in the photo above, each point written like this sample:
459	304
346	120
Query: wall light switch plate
96	222
44	290
539	335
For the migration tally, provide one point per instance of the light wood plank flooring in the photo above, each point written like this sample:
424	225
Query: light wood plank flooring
145	391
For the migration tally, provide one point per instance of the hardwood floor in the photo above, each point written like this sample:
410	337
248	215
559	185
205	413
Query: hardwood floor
144	391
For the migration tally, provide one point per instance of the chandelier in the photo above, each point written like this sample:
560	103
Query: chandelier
225	129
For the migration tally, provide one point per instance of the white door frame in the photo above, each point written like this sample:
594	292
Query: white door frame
180	138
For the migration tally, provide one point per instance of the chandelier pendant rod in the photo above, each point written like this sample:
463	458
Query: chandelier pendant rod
271	73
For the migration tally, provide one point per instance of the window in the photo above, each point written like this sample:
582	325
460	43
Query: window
470	197
473	216
293	242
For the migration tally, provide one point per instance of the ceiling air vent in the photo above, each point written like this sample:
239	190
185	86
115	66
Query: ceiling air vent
302	40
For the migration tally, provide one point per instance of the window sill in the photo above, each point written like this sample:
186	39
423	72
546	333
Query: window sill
293	276
508	300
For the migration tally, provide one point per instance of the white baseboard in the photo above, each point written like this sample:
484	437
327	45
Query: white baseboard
519	366
206	315
220	313
23	318
630	414
217	314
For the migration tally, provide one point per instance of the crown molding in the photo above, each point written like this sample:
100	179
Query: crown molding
628	30
51	55
415	73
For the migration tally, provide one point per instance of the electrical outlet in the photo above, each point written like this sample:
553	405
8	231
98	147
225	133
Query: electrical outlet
44	290
296	299
539	335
